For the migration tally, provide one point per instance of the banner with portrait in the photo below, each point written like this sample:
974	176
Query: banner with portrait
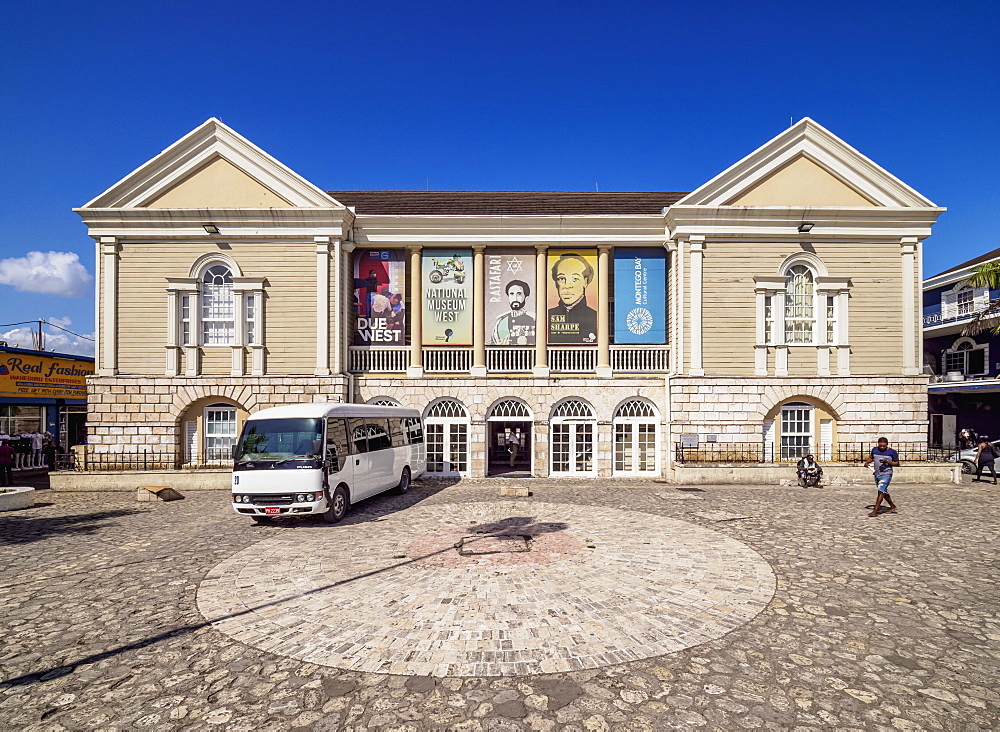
511	309
446	276
640	295
572	297
379	297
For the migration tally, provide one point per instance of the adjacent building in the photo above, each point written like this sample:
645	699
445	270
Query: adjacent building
964	389
772	311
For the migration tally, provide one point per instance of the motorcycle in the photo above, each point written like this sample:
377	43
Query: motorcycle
453	268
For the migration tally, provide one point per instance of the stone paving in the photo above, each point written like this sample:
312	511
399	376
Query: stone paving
875	623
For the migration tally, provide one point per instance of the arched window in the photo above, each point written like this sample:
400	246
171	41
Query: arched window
510	409
635	426
218	324
384	402
571	442
967	357
446	435
800	305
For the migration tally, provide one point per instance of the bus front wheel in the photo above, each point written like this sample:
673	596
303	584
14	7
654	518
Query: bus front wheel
338	505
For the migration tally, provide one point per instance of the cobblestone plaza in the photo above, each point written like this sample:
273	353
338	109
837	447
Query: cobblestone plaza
588	605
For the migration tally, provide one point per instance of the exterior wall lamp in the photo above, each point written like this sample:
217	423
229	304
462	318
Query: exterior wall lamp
804	228
213	229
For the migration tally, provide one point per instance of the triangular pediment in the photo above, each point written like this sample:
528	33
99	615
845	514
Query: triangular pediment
213	166
805	166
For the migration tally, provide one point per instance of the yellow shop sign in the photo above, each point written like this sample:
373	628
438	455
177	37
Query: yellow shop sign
26	375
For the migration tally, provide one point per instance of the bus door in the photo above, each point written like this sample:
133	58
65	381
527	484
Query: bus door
339	466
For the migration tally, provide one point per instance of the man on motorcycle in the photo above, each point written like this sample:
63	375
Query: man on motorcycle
809	471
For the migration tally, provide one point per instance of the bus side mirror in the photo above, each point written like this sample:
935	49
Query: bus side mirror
233	451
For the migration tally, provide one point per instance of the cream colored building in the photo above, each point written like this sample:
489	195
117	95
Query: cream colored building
227	283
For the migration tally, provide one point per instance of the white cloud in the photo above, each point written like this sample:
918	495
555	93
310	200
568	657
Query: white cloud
54	339
51	273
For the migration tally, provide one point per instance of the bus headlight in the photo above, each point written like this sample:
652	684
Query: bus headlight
246	499
300	498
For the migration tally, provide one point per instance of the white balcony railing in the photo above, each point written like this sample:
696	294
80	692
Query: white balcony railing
458	359
507	359
640	359
384	360
448	360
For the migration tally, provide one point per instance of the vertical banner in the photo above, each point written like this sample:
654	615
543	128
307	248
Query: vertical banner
379	297
447	296
510	297
573	290
640	296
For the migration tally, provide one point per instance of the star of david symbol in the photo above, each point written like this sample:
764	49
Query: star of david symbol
514	265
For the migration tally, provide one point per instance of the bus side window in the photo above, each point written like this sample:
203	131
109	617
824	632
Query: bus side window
414	430
336	442
397	433
378	435
358	431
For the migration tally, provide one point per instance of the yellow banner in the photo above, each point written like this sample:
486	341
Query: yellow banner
43	377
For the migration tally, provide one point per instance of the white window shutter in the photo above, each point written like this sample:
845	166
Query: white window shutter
949	306
767	434
980	297
825	439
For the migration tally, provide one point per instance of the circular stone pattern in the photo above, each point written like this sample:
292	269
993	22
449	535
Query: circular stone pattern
487	589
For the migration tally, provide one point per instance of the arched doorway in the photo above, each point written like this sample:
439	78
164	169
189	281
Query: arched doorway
509	439
446	435
636	429
573	431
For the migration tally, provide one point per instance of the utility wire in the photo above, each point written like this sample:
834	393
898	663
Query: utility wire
51	325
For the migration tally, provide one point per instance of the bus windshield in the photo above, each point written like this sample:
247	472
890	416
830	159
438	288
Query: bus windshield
281	440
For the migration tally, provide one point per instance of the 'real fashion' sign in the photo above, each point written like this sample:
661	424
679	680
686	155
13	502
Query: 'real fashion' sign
446	276
379	297
25	374
510	297
640	295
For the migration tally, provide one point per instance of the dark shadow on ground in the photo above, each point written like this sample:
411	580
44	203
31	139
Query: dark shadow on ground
519	525
15	529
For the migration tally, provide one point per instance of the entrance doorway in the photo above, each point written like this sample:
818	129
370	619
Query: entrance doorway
509	448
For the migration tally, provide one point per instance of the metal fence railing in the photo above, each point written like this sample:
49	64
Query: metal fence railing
836	452
87	458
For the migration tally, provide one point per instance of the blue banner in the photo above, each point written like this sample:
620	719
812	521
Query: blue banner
640	296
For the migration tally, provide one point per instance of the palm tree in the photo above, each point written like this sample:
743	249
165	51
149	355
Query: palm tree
986	275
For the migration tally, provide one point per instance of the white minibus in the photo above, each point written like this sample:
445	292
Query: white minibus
321	458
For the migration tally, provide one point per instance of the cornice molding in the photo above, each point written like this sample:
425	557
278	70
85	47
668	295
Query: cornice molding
210	140
821	146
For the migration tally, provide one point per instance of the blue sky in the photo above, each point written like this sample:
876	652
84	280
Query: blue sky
449	95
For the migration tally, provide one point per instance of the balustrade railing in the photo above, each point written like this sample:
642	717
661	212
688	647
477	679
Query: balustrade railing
507	359
390	359
640	359
572	359
447	360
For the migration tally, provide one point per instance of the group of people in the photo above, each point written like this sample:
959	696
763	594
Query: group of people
986	452
25	451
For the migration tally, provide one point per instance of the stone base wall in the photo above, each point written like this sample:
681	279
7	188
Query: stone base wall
132	413
863	407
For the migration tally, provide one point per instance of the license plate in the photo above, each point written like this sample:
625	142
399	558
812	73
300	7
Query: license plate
272	511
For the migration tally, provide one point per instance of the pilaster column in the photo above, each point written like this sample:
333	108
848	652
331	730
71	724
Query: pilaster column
697	267
603	305
322	306
239	332
908	249
541	367
843	335
760	347
678	346
173	347
107	364
192	351
415	315
780	348
340	292
671	247
478	311
819	338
